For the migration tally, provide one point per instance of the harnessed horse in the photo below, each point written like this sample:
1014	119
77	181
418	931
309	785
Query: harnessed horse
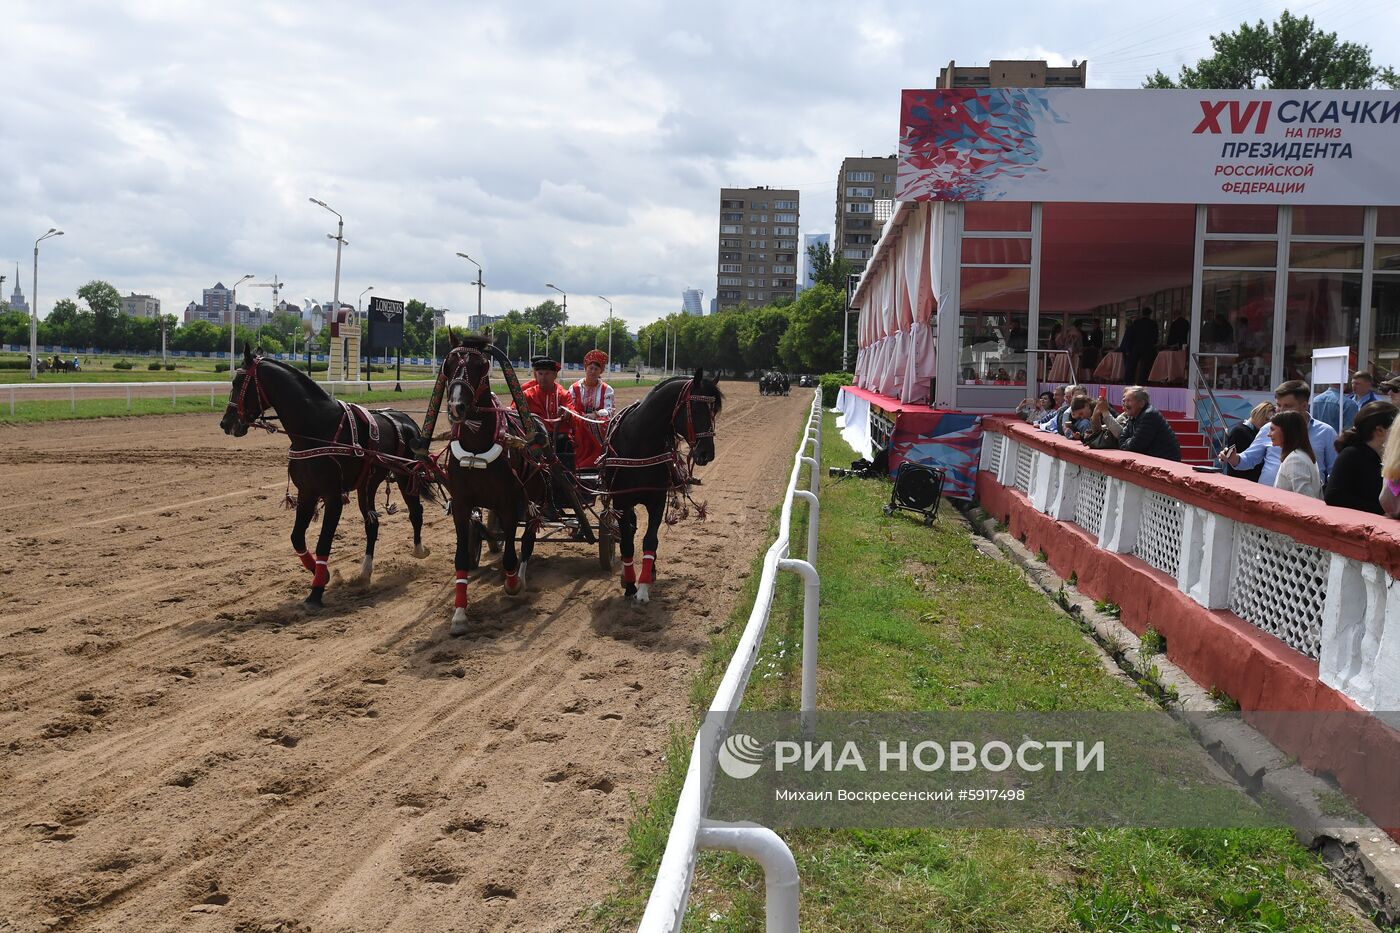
485	472
328	457
642	464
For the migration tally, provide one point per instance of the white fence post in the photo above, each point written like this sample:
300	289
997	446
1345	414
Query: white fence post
1122	510
1065	499
1207	548
1045	474
780	879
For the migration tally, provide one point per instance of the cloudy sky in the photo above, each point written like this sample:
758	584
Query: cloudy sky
177	143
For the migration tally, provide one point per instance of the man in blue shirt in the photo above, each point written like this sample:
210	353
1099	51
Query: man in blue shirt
1363	390
1291	396
1332	408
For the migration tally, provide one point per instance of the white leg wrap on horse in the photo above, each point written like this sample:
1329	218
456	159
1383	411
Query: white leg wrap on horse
643	593
367	569
521	572
420	550
459	622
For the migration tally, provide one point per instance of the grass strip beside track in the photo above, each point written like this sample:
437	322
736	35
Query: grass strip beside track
917	618
62	409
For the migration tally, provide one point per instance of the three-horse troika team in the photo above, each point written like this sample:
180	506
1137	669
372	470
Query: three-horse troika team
549	462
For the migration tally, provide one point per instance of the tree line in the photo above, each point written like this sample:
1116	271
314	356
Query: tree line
798	336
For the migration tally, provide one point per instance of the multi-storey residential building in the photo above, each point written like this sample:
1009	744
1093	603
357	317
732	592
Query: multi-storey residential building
692	302
861	182
217	303
1013	74
808	241
758	246
146	306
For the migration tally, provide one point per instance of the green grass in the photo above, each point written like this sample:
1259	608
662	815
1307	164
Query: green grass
915	618
27	412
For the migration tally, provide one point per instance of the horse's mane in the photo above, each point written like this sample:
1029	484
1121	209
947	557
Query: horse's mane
312	387
673	380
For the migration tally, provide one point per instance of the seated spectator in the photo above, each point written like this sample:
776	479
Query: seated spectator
1390	475
1141	428
1390	390
1297	471
1330	405
1355	482
1076	423
1243	434
1291	396
1053	413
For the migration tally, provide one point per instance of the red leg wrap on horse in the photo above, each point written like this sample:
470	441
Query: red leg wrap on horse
307	561
323	576
461	588
648	566
629	573
512	579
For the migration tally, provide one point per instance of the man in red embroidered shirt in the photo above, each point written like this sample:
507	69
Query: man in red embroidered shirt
592	398
547	399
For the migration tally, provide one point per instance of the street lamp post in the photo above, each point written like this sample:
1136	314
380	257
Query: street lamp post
609	330
359	303
479	285
34	307
340	242
359	319
233	324
561	325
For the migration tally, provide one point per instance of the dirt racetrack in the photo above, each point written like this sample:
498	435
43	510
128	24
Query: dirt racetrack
183	747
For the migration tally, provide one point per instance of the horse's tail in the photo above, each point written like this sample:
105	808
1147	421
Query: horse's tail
419	481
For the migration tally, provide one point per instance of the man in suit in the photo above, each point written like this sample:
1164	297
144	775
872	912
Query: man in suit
1139	347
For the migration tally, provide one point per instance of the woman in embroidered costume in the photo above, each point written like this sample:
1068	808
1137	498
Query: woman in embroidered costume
592	398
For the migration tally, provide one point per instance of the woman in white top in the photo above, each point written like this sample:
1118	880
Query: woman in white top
1297	469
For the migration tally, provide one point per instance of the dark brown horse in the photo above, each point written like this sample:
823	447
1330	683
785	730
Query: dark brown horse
643	465
485	471
336	449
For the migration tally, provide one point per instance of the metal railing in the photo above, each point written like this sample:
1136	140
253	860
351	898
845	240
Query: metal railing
692	830
216	389
1216	429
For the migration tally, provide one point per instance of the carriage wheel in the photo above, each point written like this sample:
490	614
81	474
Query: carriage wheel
493	538
607	549
475	533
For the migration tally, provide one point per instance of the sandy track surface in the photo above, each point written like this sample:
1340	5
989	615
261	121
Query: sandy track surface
183	747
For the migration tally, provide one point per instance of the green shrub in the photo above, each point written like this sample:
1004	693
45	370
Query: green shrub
122	364
153	366
15	364
831	384
220	367
169	367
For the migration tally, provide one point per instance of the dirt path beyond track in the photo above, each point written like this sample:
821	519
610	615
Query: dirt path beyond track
183	747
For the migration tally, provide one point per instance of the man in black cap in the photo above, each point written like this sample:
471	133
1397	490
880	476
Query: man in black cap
547	399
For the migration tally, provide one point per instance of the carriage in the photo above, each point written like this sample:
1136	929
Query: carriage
501	470
773	383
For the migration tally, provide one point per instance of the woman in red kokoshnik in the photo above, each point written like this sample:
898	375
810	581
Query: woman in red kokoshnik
592	398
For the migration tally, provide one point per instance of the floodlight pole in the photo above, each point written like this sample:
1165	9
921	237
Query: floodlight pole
233	326
34	307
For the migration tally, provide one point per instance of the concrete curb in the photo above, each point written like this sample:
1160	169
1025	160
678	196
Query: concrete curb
1364	862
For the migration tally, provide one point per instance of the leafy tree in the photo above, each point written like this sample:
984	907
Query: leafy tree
199	336
1292	53
417	328
828	269
14	327
547	314
812	341
759	333
108	329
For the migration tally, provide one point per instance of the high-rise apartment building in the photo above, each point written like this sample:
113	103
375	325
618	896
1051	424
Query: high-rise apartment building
1013	74
692	302
218	301
862	181
758	246
17	302
135	305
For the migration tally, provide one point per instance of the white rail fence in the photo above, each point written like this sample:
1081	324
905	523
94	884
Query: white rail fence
1342	612
692	830
216	390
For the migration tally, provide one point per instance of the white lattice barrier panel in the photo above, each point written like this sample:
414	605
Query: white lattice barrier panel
995	443
1088	511
1024	459
1280	586
1159	534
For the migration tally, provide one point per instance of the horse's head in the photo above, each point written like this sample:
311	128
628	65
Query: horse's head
696	410
469	375
247	399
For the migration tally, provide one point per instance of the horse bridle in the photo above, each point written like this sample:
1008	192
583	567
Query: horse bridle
250	376
477	388
686	397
